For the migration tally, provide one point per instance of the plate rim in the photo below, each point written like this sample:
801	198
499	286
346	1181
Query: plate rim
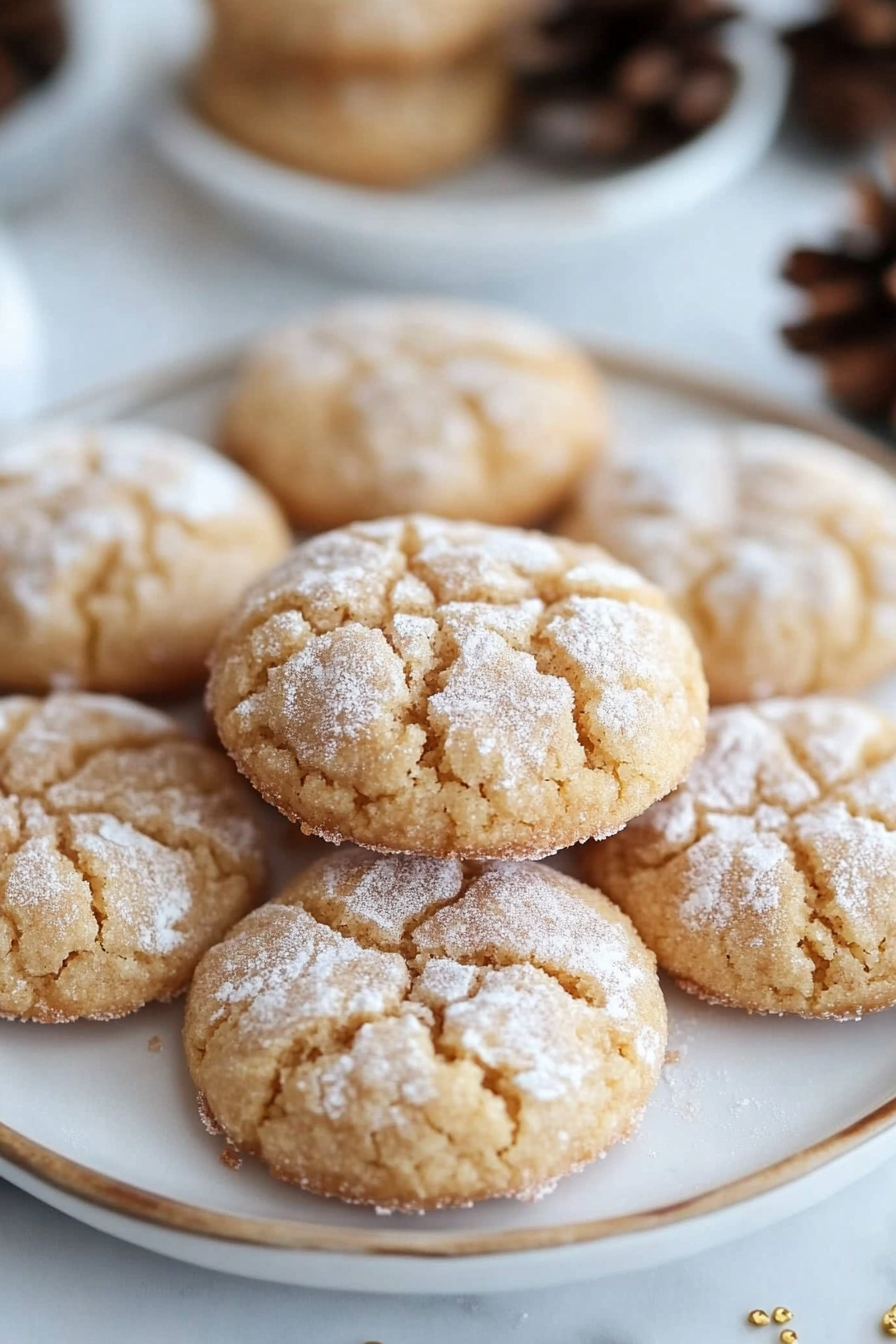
134	395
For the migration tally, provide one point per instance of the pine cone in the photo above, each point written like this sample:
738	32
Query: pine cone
851	288
32	44
621	79
845	71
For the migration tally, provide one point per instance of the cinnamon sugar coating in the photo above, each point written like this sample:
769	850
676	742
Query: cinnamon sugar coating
122	548
777	547
388	406
126	850
416	1032
442	688
768	880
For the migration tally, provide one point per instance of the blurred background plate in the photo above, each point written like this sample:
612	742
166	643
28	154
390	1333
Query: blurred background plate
21	361
499	219
43	137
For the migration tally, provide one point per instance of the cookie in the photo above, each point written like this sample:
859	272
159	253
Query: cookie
121	550
378	130
384	35
126	850
393	406
768	881
777	547
412	1033
451	689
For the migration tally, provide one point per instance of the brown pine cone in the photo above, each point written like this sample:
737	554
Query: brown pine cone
32	44
621	79
845	71
851	290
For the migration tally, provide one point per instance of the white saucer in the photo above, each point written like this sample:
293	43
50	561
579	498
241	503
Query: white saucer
44	137
21	352
501	218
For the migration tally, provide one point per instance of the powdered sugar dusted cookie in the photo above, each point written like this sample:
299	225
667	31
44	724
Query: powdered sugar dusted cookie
121	550
416	1032
392	405
447	689
126	850
777	547
768	881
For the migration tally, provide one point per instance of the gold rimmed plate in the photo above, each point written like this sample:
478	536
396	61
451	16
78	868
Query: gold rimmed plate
755	1117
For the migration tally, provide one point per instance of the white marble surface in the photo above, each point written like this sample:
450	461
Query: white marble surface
131	271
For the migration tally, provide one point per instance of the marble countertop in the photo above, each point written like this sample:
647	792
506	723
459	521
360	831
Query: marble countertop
130	270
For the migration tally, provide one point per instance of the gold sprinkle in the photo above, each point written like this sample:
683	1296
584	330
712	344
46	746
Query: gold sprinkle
788	1337
781	1315
888	1321
759	1317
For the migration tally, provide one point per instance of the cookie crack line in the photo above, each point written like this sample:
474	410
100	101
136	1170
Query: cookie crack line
64	847
813	895
83	756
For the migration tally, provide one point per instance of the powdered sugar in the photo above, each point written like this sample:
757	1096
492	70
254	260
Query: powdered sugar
444	981
523	1024
147	888
465	562
762	533
288	969
732	871
766	823
335	691
747	759
531	914
622	650
501	719
855	860
387	894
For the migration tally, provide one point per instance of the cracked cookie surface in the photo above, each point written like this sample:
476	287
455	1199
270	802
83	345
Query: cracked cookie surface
126	850
122	548
768	880
394	406
416	1032
777	547
451	689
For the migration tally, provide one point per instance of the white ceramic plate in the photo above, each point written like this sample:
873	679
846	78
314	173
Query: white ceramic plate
496	220
757	1118
21	353
44	137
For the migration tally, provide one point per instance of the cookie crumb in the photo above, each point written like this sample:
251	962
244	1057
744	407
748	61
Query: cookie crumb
672	1057
154	1045
231	1158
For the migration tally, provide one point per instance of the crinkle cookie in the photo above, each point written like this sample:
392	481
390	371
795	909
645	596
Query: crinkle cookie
777	547
121	550
416	1032
346	35
394	405
768	881
382	130
457	690
126	850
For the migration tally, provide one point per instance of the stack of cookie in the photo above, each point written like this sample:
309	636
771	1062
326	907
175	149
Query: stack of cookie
428	1015
370	91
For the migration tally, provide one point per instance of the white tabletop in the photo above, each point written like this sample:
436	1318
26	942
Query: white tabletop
130	270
